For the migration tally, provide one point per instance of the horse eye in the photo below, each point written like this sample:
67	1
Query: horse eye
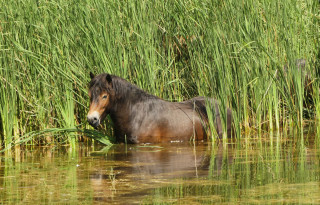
104	97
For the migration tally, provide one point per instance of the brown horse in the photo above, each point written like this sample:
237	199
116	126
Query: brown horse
139	117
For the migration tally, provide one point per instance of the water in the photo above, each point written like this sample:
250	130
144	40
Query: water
251	171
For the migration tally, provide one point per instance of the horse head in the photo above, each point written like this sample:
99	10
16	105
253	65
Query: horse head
101	94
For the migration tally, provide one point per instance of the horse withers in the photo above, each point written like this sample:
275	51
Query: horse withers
140	117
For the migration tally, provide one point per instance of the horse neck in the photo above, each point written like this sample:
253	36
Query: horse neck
127	96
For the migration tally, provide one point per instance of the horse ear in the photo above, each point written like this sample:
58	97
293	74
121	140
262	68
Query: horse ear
108	78
91	75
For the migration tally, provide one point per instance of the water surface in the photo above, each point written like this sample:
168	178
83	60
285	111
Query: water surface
250	171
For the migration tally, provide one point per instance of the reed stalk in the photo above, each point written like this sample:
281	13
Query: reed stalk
234	51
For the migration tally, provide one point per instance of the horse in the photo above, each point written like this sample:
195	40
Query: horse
140	117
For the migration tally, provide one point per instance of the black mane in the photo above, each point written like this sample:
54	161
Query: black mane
124	89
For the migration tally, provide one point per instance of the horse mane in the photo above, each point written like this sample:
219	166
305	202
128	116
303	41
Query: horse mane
124	89
126	92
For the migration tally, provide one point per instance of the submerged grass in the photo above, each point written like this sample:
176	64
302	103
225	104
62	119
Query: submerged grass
242	53
62	135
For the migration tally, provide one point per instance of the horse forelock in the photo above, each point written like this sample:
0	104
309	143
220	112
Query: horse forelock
98	85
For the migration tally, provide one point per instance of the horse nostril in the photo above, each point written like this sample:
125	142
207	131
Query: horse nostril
93	120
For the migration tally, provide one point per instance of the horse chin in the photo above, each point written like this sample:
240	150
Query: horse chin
95	125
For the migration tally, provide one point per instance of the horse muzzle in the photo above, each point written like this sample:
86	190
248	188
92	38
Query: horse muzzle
94	119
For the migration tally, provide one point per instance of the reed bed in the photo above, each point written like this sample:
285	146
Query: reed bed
243	53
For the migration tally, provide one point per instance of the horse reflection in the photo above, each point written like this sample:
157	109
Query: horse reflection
154	163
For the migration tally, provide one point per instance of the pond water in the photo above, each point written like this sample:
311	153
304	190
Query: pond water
248	171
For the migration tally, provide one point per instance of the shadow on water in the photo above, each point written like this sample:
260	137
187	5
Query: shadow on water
256	170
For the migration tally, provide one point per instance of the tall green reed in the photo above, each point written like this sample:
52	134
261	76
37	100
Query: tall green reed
234	51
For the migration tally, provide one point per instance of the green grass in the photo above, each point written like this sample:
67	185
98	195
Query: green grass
234	51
